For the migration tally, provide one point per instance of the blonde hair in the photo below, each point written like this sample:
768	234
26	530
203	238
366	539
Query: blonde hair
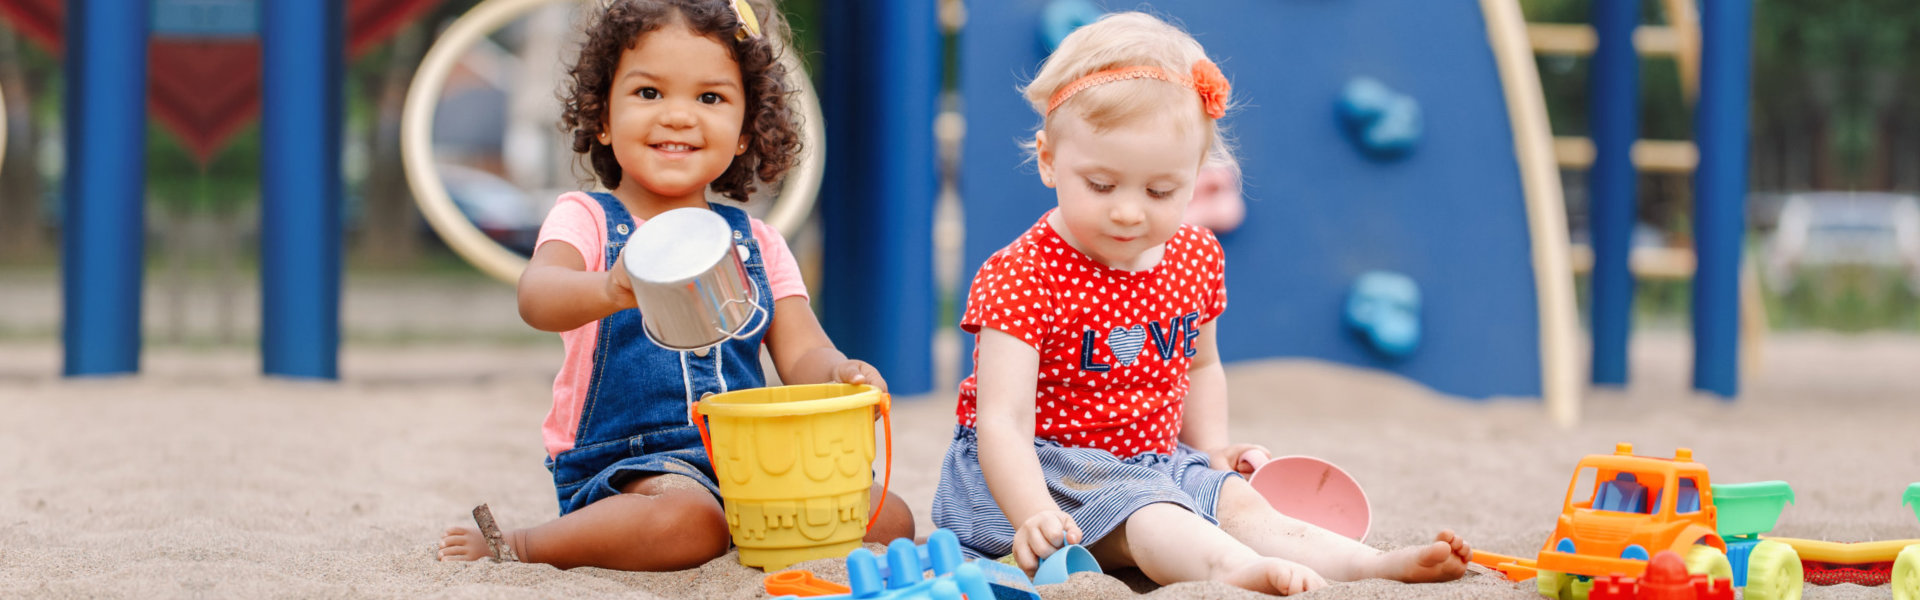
1120	40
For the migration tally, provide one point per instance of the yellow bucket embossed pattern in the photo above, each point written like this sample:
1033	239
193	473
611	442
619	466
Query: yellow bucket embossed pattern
795	468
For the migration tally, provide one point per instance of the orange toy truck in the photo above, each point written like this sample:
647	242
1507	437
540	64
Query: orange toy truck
1622	509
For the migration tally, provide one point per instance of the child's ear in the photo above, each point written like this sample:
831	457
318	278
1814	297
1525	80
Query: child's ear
741	148
1045	157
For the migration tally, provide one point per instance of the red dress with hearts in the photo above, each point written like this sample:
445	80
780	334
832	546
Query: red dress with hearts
1114	345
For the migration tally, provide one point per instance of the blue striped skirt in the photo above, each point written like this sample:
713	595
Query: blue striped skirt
1099	490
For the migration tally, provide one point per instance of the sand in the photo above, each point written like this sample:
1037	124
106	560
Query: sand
198	478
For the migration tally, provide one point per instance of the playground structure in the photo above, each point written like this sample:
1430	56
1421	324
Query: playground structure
301	51
1617	43
1468	207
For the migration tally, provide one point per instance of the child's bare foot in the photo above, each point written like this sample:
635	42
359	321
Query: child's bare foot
1443	560
464	543
1272	576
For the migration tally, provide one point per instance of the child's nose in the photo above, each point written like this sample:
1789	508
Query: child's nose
1126	213
677	118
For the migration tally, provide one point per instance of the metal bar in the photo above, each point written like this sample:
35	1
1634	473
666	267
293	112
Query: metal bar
1613	89
302	66
882	91
1720	187
104	236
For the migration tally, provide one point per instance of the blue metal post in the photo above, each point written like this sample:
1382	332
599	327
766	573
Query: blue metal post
103	241
881	96
1720	192
1613	91
301	64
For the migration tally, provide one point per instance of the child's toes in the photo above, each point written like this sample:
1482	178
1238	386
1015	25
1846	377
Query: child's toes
461	543
459	552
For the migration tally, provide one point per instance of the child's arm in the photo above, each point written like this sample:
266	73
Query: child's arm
558	293
1203	423
1006	379
803	354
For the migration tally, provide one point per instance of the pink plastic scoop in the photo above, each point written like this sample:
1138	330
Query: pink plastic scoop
1312	490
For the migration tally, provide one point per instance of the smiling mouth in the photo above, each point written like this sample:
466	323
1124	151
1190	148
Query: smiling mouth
674	147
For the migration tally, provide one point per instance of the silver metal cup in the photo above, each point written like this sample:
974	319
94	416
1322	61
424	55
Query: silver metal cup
689	281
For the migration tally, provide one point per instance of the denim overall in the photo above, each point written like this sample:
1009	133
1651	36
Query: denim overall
634	422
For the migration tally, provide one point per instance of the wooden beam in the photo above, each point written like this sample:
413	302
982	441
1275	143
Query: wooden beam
1579	40
1659	156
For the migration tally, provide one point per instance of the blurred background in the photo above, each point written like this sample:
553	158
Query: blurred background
1836	108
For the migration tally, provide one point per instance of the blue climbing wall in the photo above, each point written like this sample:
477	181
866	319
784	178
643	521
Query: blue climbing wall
1450	213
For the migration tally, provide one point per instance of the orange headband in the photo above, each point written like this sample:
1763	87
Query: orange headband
1206	80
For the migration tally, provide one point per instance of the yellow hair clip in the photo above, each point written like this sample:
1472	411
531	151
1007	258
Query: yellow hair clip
749	24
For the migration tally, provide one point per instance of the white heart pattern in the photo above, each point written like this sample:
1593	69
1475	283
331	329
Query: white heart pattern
1126	343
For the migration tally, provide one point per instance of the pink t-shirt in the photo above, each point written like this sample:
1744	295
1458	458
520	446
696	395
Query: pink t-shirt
577	220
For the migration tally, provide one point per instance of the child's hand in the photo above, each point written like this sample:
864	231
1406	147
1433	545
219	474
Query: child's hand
619	286
1040	535
858	371
1228	458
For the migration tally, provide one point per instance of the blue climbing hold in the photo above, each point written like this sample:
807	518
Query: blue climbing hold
1385	124
1061	17
1384	310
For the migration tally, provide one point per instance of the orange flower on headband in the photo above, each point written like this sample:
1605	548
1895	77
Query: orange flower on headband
1213	88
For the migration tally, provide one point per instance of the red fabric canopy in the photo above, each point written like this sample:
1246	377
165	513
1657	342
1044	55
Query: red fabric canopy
205	90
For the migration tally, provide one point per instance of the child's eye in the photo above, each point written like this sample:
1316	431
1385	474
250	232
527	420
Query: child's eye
711	98
649	93
1099	188
1161	194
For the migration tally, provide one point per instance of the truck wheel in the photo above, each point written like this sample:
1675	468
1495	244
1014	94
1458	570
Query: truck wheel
1707	560
1549	583
1774	573
1579	588
1906	574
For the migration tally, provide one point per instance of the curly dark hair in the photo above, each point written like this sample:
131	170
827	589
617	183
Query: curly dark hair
770	118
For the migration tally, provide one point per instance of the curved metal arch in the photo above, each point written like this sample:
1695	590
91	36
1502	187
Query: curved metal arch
798	190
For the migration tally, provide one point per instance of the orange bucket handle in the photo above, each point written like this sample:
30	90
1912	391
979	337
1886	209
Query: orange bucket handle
699	422
886	416
885	407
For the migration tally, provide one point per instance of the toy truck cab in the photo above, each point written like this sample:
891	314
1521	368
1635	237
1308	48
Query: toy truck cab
1621	509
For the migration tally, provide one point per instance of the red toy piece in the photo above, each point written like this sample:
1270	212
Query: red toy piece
1666	579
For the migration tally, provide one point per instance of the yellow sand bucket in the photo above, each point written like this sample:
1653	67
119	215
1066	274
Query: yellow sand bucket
795	465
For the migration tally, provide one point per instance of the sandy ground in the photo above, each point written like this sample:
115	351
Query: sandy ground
200	479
